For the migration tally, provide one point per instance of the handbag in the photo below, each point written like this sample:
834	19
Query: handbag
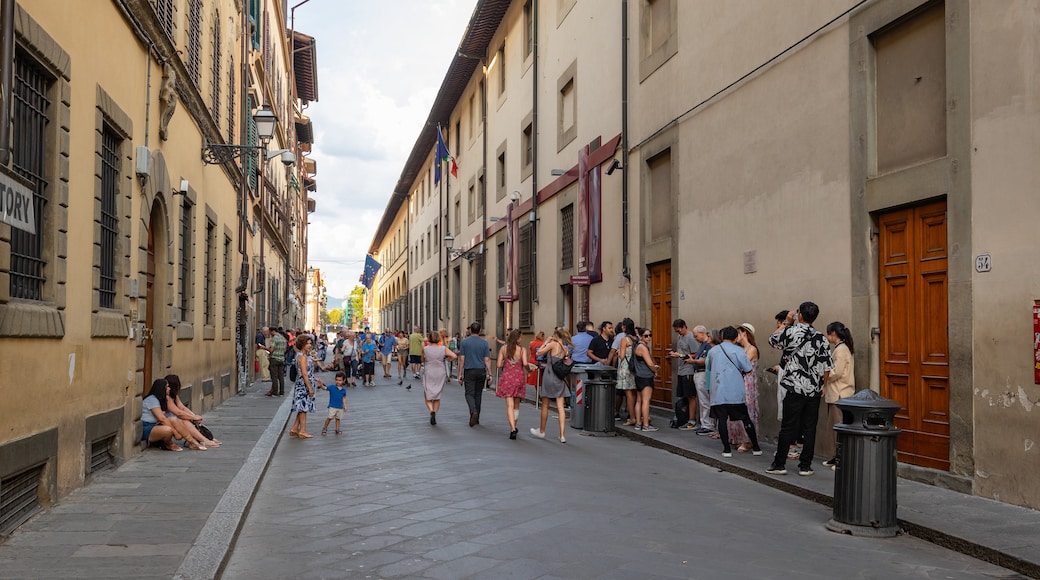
204	430
562	366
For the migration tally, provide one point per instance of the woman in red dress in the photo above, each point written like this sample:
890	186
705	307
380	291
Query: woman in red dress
512	359
539	340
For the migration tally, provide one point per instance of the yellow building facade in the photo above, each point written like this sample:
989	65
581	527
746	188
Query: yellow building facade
131	265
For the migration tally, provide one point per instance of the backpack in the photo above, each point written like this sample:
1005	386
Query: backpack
682	414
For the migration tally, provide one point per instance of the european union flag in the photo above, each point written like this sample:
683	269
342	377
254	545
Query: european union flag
371	267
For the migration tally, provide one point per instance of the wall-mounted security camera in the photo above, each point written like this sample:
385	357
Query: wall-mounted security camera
288	158
614	166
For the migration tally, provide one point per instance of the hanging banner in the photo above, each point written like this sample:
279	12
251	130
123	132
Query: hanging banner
511	257
589	222
1036	343
16	204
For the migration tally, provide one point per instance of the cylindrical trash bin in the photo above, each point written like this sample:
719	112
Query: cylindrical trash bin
578	378
599	399
865	477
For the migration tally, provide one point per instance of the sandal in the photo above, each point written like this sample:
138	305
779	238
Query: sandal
629	423
744	448
172	447
338	432
715	435
196	446
324	432
293	433
305	436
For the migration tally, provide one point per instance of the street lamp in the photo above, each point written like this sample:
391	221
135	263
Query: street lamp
218	154
449	241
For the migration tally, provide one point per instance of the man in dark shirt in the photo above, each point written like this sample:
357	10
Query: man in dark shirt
474	369
599	348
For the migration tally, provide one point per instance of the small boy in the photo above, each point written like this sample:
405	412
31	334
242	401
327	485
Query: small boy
337	402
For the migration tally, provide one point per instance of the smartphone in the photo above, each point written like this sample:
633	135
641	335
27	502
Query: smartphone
771	370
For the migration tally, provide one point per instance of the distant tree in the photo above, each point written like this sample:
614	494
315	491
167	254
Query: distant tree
335	316
356	301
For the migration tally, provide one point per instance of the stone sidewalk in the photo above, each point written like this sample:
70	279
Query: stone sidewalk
995	532
163	514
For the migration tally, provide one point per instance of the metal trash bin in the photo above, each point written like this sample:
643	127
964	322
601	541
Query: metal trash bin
577	388
865	477
599	399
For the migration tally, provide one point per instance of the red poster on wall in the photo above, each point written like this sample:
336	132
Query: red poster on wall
1036	343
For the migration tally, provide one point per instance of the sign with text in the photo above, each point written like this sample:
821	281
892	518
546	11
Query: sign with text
16	204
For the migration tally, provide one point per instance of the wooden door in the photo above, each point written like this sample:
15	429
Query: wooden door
661	326
915	362
147	337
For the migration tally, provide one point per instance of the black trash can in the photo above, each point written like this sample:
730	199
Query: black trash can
577	389
599	399
865	477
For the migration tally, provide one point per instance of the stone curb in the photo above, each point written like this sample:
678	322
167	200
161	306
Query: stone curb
211	548
924	532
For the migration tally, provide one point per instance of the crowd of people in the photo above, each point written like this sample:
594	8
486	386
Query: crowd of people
716	391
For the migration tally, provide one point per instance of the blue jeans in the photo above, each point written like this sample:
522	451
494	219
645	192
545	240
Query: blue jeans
474	380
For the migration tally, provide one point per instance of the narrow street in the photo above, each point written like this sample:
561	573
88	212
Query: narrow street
396	497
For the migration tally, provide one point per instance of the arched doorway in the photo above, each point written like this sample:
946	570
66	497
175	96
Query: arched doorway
155	281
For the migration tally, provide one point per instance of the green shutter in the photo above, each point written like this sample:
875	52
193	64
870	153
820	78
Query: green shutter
251	161
254	20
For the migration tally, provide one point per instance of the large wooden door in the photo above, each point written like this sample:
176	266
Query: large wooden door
661	326
915	362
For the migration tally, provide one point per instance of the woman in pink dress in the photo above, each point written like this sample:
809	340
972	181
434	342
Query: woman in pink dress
512	386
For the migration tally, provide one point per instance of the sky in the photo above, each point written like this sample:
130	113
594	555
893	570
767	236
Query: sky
380	65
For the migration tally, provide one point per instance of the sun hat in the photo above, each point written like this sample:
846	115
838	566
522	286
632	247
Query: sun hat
748	327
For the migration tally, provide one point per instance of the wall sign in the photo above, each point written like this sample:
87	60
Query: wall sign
983	263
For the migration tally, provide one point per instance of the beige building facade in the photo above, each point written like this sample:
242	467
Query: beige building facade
872	157
130	267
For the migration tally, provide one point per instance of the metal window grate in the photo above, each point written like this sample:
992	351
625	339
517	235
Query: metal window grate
164	12
207	307
500	259
110	143
185	282
31	105
526	280
227	282
194	59
217	60
479	284
101	457
19	498
567	241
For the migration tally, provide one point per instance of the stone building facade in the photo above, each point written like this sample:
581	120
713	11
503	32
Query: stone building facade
140	246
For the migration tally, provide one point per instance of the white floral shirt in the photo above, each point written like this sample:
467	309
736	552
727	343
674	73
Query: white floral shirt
807	356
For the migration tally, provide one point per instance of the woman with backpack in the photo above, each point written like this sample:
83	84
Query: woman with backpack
626	379
553	387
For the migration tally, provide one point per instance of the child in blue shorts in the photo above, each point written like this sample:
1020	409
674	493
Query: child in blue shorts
337	402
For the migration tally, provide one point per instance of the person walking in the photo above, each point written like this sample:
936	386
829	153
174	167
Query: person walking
402	356
369	353
645	372
737	433
807	363
262	353
553	387
434	372
474	370
303	390
727	364
387	345
841	382
276	360
415	346
512	360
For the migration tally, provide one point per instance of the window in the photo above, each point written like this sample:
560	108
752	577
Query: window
109	231
194	41
567	107
471	202
211	270
31	109
502	70
458	215
472	116
218	80
567	239
254	22
500	173
185	263
658	40
164	12
227	282
458	139
526	150
528	29
525	271
481	198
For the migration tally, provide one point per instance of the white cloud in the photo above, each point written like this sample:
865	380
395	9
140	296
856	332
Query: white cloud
380	65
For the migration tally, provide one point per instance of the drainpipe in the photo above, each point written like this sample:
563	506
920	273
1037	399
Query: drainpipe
625	271
483	188
534	154
7	78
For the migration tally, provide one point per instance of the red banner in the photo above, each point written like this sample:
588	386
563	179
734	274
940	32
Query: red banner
1036	343
589	222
